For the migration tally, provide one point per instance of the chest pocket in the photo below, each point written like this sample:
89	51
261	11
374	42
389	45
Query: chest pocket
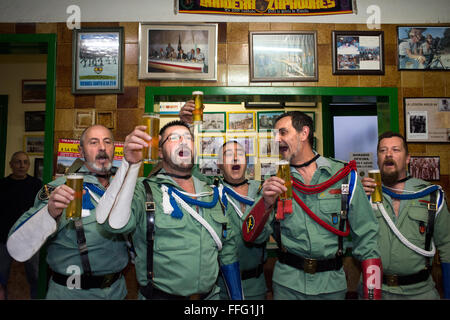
417	224
329	204
169	233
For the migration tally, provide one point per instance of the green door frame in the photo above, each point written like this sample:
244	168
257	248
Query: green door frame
50	40
387	97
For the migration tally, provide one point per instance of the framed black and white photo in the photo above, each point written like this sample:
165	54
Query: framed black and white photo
425	167
213	122
97	60
423	48
178	51
358	52
283	56
34	121
241	121
210	145
427	119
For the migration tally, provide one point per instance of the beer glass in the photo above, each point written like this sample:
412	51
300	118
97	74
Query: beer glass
73	211
150	153
198	111
377	195
284	172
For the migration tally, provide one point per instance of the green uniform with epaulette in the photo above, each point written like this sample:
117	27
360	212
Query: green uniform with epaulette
303	237
185	256
397	258
107	252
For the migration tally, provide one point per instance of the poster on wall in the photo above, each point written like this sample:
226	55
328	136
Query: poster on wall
266	7
427	119
68	152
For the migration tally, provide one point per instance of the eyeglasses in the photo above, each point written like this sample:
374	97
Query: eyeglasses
174	137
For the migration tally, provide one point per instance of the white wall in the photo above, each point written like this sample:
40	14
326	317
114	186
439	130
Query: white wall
392	12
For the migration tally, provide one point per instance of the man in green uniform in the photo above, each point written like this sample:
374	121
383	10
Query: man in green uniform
238	194
309	228
414	220
92	269
179	228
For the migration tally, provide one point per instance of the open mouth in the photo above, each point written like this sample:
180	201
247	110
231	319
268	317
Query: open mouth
283	149
184	153
236	167
389	164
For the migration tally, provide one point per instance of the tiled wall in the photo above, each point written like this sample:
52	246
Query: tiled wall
233	70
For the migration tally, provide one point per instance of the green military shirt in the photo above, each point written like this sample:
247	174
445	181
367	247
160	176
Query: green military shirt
185	256
304	237
396	257
107	252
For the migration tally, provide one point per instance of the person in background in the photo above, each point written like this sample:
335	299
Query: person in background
414	221
86	261
17	193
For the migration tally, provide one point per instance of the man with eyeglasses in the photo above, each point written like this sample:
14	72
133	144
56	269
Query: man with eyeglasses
180	230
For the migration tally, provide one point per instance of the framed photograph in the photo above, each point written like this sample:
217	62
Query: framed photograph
423	48
210	145
283	56
34	91
268	167
267	147
358	52
213	122
266	119
247	141
97	60
38	168
33	144
170	107
34	121
425	168
208	166
427	119
241	121
178	51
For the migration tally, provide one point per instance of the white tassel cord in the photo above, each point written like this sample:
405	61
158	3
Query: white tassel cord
402	238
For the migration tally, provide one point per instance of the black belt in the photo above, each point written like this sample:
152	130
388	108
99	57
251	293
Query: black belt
89	282
252	273
310	266
394	280
157	294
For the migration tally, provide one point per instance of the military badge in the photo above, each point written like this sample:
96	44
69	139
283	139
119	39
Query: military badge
250	223
45	192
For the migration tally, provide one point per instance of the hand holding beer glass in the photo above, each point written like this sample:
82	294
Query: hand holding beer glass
377	195
73	211
150	153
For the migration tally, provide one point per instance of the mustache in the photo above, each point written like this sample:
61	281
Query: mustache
101	155
389	162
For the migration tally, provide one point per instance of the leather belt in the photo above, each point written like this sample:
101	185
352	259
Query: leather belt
394	280
252	273
310	266
89	282
158	294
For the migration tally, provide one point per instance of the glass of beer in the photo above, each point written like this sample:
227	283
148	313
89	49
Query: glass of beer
73	211
377	195
198	111
284	172
150	153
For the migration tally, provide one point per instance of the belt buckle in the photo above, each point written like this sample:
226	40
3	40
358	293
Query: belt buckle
149	206
196	296
392	280
432	206
310	266
107	281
